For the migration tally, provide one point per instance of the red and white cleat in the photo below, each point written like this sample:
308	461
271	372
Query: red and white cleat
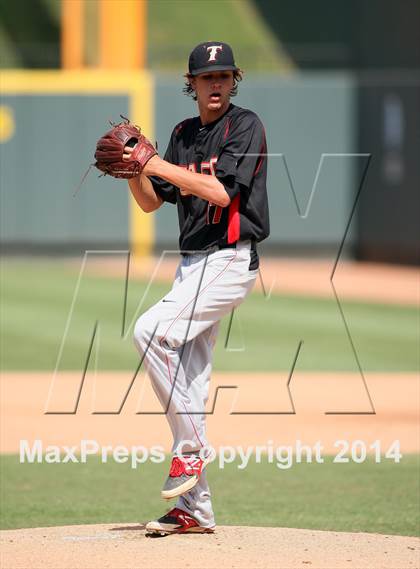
176	521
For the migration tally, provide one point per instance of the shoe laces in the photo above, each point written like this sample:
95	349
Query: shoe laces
190	465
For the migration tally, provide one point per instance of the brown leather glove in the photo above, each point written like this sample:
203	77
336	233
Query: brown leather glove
110	150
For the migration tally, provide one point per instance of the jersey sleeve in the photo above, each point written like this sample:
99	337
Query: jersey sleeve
164	189
242	155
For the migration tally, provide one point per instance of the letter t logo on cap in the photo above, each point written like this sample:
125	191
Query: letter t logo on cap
213	49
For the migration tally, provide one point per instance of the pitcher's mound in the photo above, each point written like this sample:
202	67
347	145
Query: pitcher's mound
125	546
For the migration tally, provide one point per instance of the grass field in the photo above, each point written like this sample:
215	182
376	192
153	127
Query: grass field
37	296
376	498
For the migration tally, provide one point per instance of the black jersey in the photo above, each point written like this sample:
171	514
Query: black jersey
232	148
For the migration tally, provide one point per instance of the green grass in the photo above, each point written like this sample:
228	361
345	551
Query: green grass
378	498
37	296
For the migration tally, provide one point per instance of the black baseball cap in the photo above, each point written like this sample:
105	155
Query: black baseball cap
209	56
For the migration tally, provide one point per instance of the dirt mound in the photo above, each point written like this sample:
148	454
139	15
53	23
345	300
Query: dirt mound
120	546
395	395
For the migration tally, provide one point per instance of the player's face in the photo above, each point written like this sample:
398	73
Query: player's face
213	89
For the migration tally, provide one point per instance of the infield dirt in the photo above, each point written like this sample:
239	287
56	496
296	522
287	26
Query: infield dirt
395	396
119	546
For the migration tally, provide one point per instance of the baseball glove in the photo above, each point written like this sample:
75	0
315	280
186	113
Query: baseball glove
110	150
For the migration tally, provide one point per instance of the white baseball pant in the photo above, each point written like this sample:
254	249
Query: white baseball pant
176	336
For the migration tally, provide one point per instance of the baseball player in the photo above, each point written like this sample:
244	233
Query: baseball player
214	170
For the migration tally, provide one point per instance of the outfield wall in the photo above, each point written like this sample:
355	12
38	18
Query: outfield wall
56	118
51	120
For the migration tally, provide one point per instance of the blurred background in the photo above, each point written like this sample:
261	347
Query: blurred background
335	79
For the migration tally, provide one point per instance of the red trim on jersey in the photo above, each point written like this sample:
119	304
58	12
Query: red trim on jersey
234	221
181	125
227	128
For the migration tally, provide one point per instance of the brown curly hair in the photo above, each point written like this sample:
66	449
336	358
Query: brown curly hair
188	90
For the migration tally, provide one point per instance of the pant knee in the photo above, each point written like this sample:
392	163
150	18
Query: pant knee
148	331
144	331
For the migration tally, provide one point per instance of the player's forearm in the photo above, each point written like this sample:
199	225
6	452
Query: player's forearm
206	187
144	194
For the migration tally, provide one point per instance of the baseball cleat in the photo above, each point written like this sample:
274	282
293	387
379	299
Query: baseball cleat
183	476
176	521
